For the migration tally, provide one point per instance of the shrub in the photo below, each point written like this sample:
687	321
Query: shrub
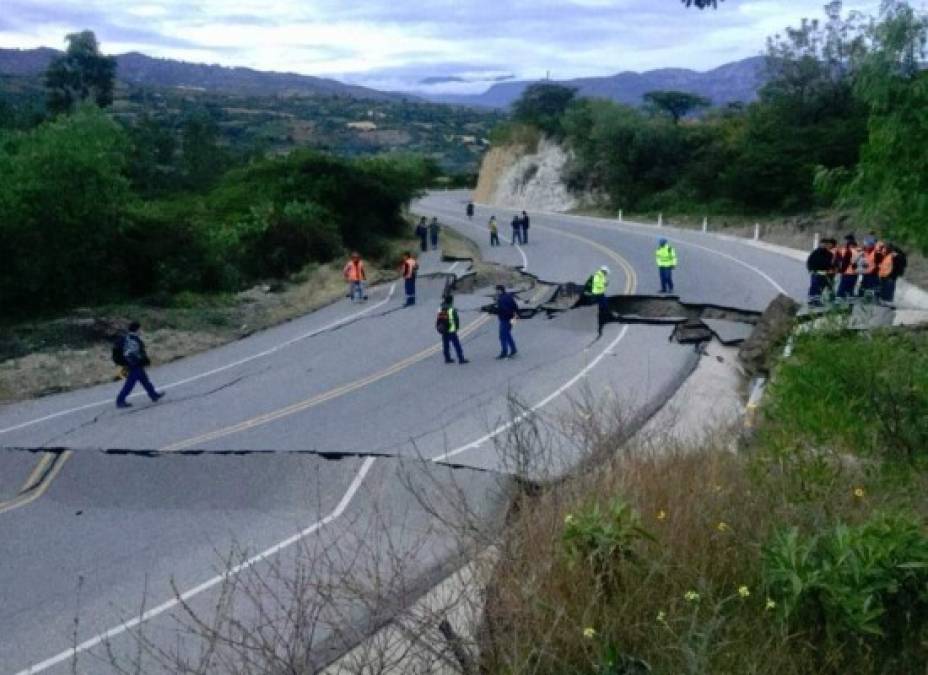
600	539
863	586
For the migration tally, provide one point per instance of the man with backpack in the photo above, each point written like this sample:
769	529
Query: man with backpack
507	309
129	352
409	269
447	323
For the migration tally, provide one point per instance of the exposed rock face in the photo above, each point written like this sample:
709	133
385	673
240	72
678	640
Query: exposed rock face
758	352
525	181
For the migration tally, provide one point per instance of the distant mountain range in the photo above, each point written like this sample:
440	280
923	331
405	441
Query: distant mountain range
738	81
138	69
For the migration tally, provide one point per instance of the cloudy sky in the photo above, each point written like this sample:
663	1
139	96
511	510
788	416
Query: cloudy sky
425	45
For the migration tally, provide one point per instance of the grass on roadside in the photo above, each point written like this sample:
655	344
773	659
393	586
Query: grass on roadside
795	555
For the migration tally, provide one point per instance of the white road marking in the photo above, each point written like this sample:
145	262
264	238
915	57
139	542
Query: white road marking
214	371
453	267
538	406
209	583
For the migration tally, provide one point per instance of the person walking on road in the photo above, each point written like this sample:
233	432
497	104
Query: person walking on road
422	231
135	359
821	266
507	309
447	323
409	269
666	257
470	210
494	231
355	276
434	229
516	225
596	287
525	223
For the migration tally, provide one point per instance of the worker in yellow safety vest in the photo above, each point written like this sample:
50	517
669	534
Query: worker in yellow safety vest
666	257
595	288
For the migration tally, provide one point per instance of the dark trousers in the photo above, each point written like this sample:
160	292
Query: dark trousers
846	285
424	243
887	289
524	235
494	239
602	302
516	236
449	339
507	346
434	237
410	290
666	279
870	283
136	375
817	285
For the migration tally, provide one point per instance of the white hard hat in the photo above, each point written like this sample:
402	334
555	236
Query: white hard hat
605	269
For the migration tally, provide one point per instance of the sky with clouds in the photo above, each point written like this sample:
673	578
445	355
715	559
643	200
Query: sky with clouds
433	45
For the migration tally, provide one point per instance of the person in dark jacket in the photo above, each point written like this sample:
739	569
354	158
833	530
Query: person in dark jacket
516	225
470	210
422	231
507	309
821	265
133	351
434	229
525	223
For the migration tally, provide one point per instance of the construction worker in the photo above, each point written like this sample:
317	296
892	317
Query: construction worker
821	266
447	324
409	269
666	257
355	276
434	229
846	264
422	231
869	270
595	288
494	231
134	359
507	309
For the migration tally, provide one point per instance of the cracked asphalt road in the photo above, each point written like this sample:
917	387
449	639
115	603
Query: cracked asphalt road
112	533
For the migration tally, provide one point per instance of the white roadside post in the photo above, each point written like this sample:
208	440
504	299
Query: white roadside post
705	224
756	231
660	220
816	239
620	216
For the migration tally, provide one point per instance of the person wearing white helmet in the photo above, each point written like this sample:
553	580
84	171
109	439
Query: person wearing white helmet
596	289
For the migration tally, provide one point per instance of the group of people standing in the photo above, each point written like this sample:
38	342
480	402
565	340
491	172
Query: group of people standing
447	323
868	271
428	232
520	224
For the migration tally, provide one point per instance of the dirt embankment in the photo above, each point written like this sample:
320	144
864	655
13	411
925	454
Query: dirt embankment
496	163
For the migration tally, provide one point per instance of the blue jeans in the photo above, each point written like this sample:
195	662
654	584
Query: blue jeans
356	288
449	339
666	279
817	285
506	343
136	374
516	237
847	285
434	238
410	290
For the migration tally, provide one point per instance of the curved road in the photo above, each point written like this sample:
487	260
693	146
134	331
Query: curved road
337	436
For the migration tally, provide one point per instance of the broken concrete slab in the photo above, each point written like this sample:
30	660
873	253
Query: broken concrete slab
775	324
729	332
910	317
865	316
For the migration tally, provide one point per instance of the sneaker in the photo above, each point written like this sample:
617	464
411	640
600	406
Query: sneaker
449	360
123	405
512	355
464	361
502	356
158	396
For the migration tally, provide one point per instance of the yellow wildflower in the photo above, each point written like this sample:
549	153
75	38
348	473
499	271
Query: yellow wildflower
770	604
722	527
569	520
744	592
691	596
662	515
661	617
589	632
859	492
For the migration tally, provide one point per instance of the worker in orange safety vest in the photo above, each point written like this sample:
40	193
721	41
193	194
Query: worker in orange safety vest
846	257
355	276
409	269
868	267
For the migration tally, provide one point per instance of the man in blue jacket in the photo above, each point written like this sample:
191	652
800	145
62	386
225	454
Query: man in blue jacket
136	359
507	310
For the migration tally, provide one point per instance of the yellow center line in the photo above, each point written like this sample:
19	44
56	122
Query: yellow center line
39	480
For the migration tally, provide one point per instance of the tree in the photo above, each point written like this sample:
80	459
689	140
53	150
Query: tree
82	73
677	104
542	105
